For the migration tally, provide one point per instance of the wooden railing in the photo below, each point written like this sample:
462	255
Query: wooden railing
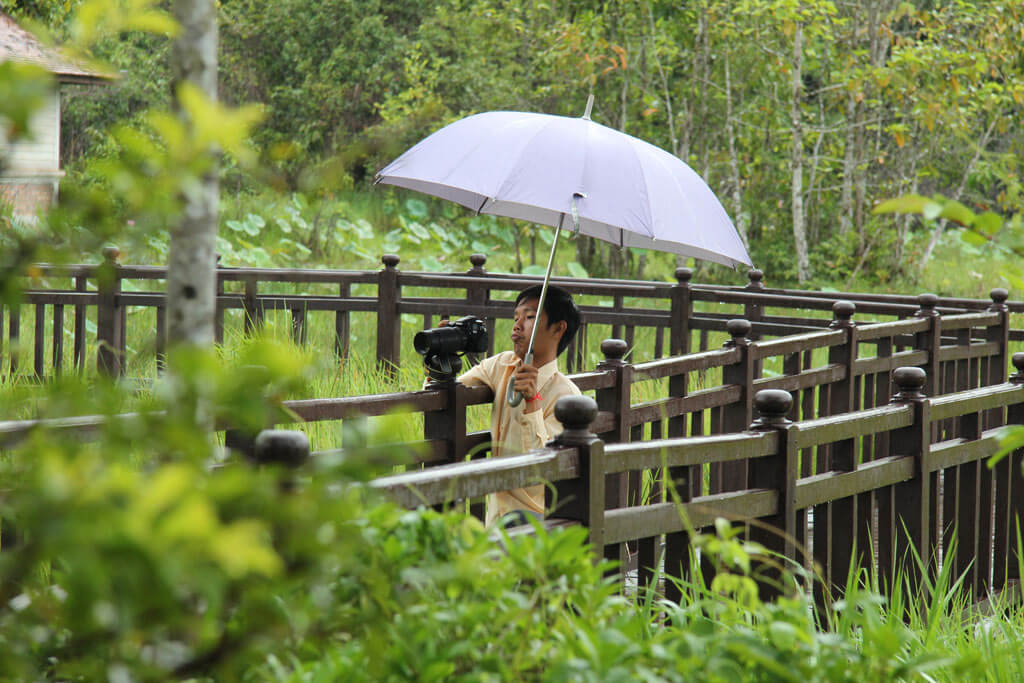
87	307
849	454
904	499
842	368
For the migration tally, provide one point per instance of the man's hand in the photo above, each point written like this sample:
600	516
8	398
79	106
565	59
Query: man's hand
525	379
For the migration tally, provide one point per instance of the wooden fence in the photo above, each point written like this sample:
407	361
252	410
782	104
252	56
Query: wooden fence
90	307
845	435
908	497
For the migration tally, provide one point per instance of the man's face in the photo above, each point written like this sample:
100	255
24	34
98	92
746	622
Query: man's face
545	344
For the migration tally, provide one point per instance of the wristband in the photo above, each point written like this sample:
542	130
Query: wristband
535	398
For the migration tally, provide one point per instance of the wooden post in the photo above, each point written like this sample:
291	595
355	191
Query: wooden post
218	316
480	295
682	311
58	338
930	341
753	311
342	324
580	499
39	342
253	311
389	320
1010	498
616	399
904	524
736	417
448	424
108	315
286	448
842	523
778	472
78	351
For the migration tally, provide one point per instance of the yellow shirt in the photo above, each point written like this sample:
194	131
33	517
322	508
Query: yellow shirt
513	431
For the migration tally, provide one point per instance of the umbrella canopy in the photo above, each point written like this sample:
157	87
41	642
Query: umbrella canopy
534	166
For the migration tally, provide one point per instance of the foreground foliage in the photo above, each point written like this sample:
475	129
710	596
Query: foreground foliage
132	559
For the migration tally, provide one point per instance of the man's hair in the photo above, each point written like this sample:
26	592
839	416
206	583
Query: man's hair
559	306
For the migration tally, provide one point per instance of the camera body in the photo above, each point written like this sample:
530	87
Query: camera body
442	347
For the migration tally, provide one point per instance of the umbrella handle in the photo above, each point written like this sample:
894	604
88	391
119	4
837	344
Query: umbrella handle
512	396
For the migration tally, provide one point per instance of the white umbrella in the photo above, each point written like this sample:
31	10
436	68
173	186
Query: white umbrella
542	168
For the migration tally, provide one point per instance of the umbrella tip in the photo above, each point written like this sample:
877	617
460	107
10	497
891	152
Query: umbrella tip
590	106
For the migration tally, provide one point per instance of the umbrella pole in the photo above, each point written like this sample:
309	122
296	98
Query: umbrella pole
514	397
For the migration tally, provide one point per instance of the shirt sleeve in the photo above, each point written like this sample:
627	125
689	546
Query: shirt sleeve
480	374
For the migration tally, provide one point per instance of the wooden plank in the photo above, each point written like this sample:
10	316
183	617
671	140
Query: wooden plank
961	451
982	350
892	329
886	364
463	480
807	379
694	450
828	486
318	409
834	428
975	400
665	518
679	365
802	342
649	411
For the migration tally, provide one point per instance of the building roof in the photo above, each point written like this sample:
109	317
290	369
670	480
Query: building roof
19	45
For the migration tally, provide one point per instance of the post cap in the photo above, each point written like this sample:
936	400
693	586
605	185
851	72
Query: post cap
738	329
478	261
614	349
683	275
1018	362
927	302
773	405
576	413
756	277
281	447
999	296
390	260
909	382
842	312
111	253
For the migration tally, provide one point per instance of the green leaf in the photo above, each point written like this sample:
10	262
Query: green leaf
416	208
972	238
931	210
909	203
577	270
957	212
418	230
988	223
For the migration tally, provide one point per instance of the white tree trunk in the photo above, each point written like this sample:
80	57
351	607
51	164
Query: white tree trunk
192	261
849	165
803	264
734	163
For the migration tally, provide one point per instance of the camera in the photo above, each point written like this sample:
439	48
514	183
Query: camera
442	346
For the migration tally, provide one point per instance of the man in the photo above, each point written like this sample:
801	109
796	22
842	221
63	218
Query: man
532	423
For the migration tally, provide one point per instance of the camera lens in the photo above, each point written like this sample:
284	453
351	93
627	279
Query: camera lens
441	340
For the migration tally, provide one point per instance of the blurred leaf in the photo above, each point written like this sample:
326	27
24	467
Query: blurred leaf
416	208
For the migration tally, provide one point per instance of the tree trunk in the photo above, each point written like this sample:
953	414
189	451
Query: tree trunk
941	224
849	165
191	270
734	163
803	263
